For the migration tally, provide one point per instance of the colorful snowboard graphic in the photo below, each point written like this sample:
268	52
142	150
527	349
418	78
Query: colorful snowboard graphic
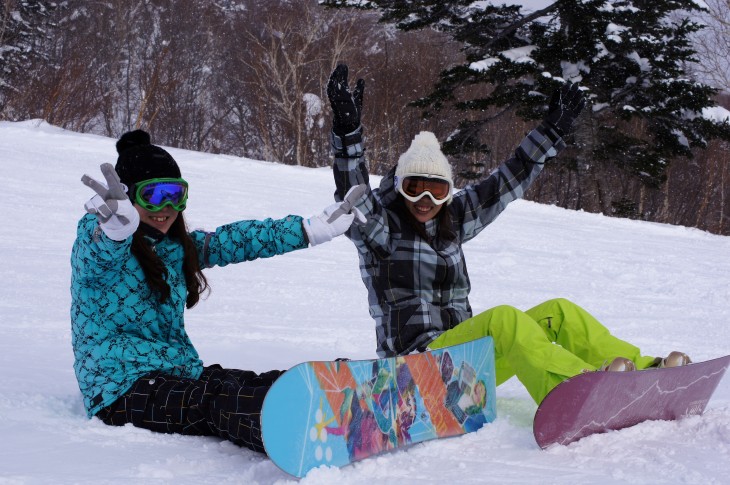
335	413
597	402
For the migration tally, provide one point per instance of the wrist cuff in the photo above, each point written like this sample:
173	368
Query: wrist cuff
554	134
349	145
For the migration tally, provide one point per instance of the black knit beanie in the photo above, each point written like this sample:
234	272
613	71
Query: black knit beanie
140	160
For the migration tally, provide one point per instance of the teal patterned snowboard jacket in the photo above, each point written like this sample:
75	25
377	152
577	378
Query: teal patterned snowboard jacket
120	330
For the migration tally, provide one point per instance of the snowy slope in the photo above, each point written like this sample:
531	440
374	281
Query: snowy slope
660	287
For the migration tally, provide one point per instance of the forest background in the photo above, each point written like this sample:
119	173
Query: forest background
247	78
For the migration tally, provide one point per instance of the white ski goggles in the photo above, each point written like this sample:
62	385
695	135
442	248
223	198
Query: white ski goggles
415	186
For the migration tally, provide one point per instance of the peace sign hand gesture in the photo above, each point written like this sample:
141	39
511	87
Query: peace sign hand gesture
117	216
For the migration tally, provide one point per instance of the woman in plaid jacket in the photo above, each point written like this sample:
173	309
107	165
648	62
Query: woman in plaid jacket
413	266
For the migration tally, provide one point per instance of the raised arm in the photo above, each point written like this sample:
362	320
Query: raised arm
350	168
478	205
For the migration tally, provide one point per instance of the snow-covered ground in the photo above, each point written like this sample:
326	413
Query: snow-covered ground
658	286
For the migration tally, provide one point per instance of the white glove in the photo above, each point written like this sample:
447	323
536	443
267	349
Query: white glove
336	219
117	216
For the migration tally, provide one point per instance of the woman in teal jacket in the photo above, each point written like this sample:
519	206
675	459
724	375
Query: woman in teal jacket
135	268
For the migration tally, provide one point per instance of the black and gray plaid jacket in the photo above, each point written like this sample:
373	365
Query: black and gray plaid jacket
418	288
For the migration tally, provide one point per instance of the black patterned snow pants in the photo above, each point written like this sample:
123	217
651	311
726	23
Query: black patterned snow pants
222	402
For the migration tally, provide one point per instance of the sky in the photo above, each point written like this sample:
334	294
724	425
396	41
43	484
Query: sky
660	287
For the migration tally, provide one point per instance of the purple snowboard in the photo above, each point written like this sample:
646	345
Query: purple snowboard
596	402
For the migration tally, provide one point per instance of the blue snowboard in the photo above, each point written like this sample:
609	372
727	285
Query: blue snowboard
335	413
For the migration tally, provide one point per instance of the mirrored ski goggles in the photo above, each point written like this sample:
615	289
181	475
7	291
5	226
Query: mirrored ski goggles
154	194
415	186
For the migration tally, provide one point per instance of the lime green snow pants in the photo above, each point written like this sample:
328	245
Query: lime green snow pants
524	343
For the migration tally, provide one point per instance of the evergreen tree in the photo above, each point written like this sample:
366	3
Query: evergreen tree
630	54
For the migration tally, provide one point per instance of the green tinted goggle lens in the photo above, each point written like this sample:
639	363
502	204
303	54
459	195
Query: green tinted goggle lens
154	194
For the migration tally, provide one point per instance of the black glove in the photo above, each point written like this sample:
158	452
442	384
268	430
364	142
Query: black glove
346	105
566	104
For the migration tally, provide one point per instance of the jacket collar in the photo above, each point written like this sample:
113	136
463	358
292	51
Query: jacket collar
153	235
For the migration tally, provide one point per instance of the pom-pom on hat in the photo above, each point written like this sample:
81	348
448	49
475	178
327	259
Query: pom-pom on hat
424	157
140	160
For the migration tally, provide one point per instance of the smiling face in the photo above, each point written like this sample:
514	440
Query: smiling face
161	220
424	209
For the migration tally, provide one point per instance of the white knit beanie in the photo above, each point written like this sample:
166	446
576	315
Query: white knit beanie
424	157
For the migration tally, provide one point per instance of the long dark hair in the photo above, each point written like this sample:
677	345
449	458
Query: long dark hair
156	272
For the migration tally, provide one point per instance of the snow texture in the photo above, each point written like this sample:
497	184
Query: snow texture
658	286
